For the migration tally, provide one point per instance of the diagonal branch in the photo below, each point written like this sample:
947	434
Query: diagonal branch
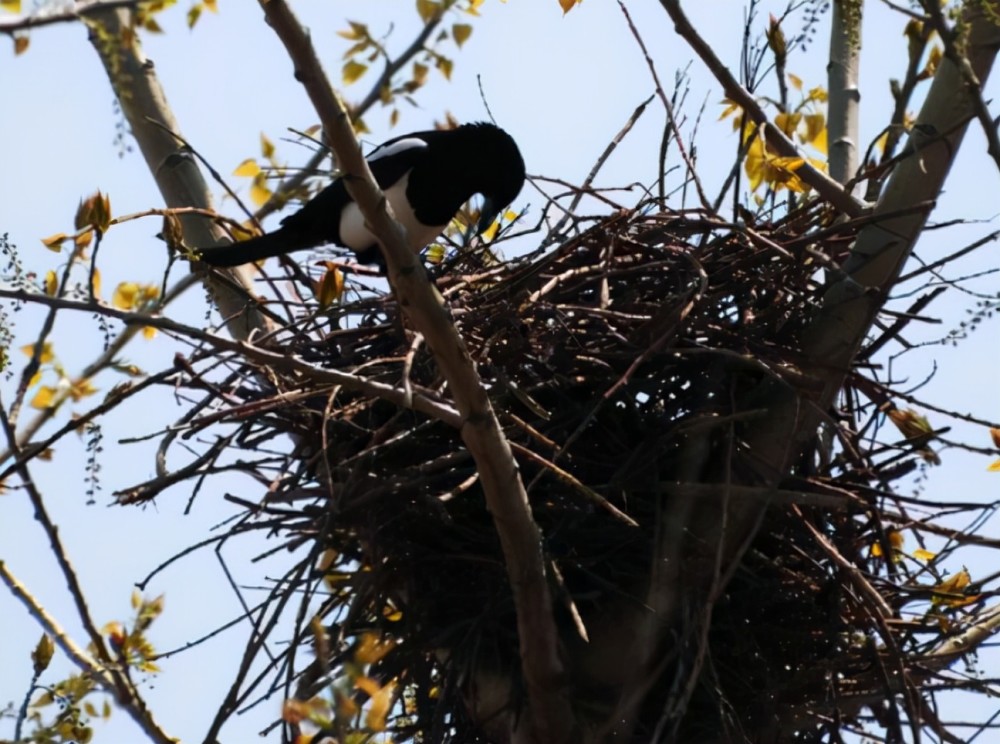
549	718
825	186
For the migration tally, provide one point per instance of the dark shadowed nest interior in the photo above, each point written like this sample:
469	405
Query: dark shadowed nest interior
599	355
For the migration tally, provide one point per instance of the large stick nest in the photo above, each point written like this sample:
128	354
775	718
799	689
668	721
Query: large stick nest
603	358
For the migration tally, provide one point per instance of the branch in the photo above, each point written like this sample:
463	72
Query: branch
882	247
842	77
416	398
548	717
969	77
151	121
18	23
825	186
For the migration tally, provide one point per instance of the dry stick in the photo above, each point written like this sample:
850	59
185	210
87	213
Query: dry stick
825	186
549	717
678	138
584	189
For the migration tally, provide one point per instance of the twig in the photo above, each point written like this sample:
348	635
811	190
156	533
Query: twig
585	186
678	137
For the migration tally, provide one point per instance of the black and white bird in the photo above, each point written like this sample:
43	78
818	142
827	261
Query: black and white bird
426	177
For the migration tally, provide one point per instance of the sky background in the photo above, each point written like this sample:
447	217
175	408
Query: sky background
561	85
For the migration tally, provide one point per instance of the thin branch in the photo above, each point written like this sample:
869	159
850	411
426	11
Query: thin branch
104	671
421	402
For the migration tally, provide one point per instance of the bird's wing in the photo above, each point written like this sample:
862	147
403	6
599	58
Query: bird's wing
389	162
394	159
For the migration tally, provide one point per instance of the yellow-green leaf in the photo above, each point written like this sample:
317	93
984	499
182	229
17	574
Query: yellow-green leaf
355	32
924	555
94	211
461	33
42	654
372	648
247	169
54	242
45	357
13	6
51	283
125	295
259	192
435	253
445	65
331	286
266	146
379	707
44	399
353	70
419	73
193	14
427	9
994	467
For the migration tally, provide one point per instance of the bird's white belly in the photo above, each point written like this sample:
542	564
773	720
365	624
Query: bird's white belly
355	235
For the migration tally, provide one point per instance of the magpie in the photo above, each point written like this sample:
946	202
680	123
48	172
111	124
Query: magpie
426	177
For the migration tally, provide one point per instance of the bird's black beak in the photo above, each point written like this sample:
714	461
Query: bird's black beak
487	214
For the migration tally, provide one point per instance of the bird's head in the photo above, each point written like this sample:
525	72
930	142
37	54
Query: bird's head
502	174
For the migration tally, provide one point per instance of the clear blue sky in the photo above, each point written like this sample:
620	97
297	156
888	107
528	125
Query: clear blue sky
563	86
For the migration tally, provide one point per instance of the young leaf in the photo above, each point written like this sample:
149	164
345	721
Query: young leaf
353	70
266	146
247	169
427	9
44	399
54	242
42	654
461	33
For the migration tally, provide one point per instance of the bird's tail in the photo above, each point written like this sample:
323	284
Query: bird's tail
256	249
